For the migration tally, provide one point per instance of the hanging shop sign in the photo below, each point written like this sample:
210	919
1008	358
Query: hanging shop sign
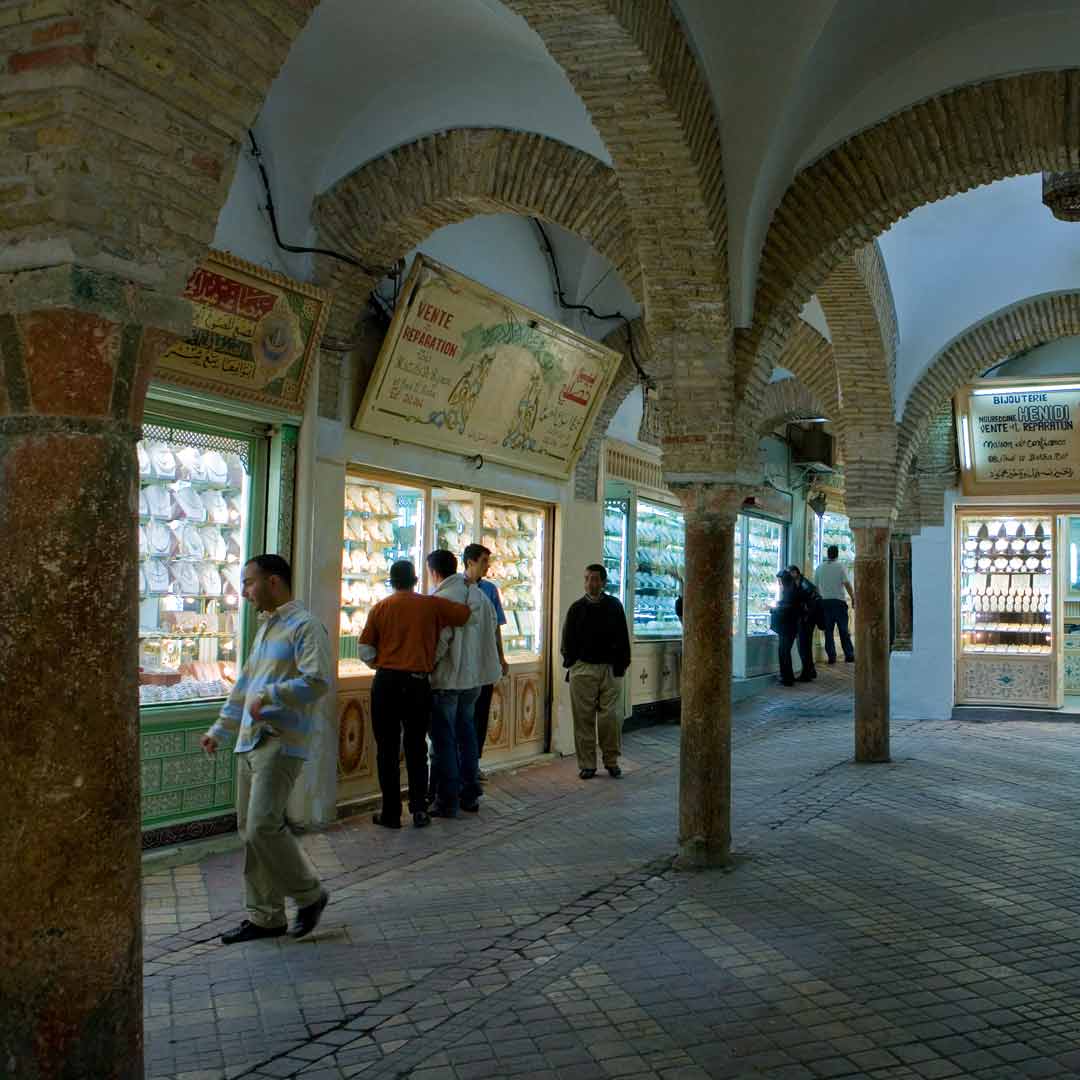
254	335
466	370
1019	437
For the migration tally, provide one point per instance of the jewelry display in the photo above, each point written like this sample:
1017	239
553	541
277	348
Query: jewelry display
1006	594
660	547
616	524
516	541
188	534
764	560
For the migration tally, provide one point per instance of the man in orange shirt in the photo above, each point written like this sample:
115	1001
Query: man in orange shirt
399	642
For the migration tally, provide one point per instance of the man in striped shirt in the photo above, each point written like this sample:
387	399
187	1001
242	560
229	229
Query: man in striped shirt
270	714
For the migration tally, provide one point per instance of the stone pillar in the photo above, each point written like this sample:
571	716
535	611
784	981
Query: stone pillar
901	592
76	361
705	757
871	641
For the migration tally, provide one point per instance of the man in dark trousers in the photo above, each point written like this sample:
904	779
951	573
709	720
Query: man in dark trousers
596	652
399	642
809	600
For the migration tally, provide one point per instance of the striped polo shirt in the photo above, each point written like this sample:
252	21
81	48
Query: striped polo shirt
290	664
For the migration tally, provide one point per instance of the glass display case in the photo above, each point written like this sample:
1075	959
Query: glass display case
736	584
1006	579
832	528
515	537
194	502
660	553
616	526
384	522
765	554
454	514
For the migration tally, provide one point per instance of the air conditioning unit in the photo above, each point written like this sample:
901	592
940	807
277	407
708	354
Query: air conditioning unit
811	445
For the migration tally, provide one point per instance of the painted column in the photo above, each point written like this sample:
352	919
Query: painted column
901	592
76	361
705	756
871	641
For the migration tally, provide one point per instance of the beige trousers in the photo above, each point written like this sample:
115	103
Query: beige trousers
594	694
275	865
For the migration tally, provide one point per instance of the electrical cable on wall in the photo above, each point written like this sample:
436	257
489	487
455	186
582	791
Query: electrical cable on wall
567	306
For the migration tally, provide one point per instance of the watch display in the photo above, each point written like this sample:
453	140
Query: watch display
515	537
193	494
1006	585
765	553
660	547
384	522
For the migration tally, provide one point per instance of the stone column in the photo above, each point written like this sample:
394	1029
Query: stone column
871	641
901	592
76	361
705	757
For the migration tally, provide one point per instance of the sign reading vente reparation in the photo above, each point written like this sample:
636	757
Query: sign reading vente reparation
1019	437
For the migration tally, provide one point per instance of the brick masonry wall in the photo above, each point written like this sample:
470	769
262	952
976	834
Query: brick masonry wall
786	400
122	122
949	144
631	64
382	210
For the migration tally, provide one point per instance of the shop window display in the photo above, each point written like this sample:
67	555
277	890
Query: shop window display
515	537
834	529
192	533
660	556
383	523
736	590
1006	585
616	523
764	560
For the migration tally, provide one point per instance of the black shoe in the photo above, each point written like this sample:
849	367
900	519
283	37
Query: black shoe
249	931
786	682
833	661
587	774
421	819
806	678
471	807
385	822
614	771
849	659
438	810
307	917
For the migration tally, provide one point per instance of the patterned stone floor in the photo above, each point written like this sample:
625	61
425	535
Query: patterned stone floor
906	921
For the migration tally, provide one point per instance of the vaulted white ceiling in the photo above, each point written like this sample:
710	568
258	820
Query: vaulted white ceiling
790	79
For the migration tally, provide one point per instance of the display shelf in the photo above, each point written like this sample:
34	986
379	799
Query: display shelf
192	527
616	526
515	537
660	558
383	523
764	560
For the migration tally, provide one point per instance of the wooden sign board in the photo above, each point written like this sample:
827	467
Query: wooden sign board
466	370
1019	436
255	334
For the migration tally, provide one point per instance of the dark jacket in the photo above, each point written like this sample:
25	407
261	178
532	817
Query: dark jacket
788	610
595	632
809	601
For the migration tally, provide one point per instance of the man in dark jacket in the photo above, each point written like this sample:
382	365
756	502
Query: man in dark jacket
785	623
809	600
596	652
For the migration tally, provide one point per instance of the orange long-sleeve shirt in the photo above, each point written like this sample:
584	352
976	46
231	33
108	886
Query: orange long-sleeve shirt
404	629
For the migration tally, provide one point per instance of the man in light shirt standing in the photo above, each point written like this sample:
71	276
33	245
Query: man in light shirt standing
270	714
832	582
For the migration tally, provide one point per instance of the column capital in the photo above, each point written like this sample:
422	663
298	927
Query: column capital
712	497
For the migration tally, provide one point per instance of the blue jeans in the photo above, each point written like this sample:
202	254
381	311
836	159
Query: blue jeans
455	760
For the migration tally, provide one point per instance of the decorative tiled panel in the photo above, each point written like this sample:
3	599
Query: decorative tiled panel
1072	672
529	721
500	717
355	736
1000	681
179	780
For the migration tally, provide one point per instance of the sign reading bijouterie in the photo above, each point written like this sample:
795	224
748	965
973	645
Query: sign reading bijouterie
466	370
1019	437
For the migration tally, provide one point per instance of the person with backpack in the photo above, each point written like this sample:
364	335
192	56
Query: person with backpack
811	616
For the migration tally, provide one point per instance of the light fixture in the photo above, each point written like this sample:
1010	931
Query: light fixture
965	443
1061	194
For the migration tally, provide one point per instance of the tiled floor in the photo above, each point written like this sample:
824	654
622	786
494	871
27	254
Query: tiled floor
912	920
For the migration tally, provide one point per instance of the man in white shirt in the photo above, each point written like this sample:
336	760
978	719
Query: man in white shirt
832	582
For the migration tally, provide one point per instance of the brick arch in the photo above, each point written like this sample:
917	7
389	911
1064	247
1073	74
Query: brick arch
1032	322
786	399
809	357
626	379
944	146
632	66
388	206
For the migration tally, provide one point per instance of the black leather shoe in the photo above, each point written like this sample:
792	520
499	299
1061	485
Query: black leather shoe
849	659
587	774
471	808
806	678
249	931
307	918
614	771
386	823
442	811
421	819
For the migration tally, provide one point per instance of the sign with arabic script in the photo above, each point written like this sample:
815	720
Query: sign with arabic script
254	334
1019	436
466	370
